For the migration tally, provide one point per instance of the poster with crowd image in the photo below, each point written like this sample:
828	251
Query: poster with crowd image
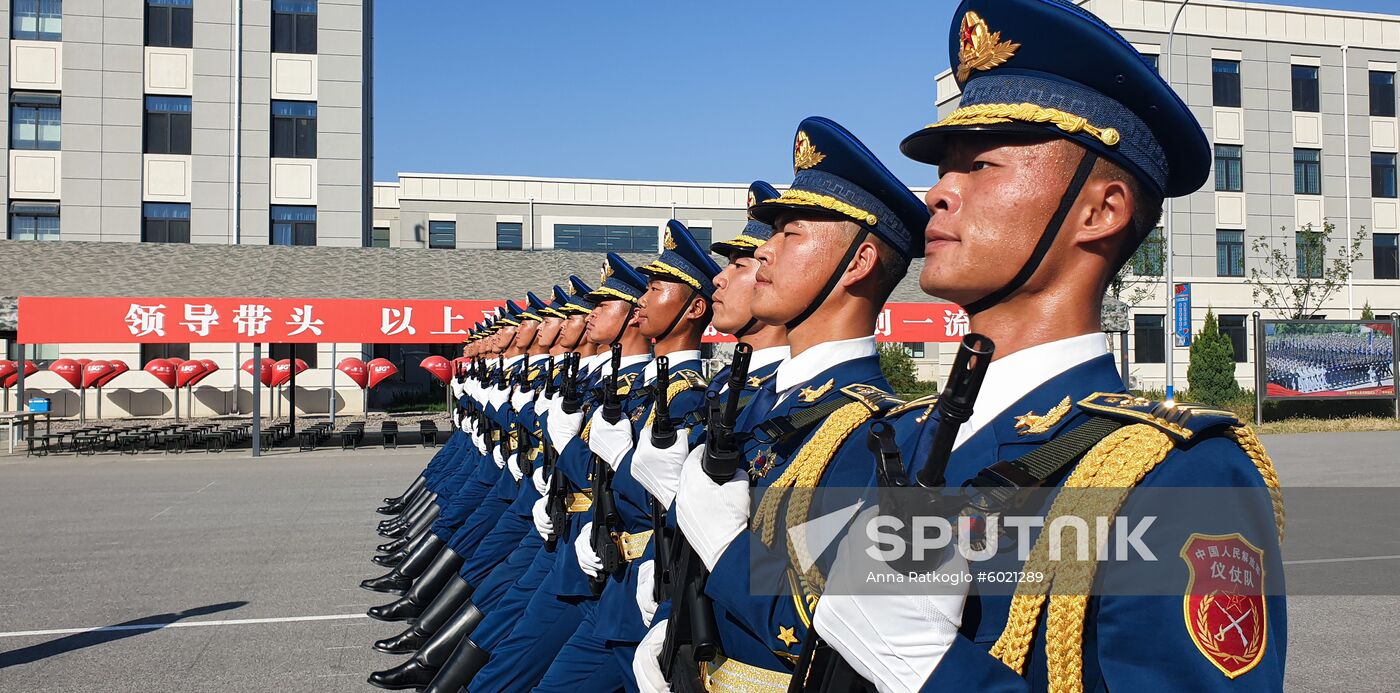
1329	358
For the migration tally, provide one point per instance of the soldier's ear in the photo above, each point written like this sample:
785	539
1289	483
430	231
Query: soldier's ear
1104	211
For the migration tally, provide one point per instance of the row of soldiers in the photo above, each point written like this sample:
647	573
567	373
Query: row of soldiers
603	515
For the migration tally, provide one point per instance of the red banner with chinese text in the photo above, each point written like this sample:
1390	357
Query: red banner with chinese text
90	320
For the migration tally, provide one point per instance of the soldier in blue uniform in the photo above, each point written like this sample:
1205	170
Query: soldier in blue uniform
843	235
1051	172
659	470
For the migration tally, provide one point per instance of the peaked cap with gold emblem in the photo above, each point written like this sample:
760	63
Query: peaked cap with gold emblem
755	233
839	176
578	302
619	282
683	260
1051	68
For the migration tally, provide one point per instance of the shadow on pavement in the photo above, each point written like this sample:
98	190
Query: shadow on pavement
106	634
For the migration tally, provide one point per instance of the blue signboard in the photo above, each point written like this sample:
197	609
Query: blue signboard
1181	321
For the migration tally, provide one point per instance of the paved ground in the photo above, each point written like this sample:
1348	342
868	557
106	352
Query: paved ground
197	539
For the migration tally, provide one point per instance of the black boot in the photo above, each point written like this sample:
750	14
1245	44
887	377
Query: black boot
425	589
439	648
390	509
401	578
391	560
433	618
410	674
391	583
459	670
422	518
408	492
394	545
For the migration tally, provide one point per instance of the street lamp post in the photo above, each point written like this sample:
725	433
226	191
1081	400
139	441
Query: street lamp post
1167	235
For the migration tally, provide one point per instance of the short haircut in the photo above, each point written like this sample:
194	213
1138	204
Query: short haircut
1147	210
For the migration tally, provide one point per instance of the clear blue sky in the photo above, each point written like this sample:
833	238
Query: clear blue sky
627	89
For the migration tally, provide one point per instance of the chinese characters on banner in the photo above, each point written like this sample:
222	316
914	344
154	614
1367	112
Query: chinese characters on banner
87	320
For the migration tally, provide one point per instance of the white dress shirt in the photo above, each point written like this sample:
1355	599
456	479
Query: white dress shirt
675	357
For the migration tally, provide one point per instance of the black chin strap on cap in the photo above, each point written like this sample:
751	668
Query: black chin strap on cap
1047	239
618	337
747	328
685	307
832	281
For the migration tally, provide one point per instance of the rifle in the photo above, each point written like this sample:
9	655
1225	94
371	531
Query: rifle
722	449
605	514
663	436
692	635
557	505
820	668
549	387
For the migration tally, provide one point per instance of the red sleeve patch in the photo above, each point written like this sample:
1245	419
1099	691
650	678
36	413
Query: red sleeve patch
1224	606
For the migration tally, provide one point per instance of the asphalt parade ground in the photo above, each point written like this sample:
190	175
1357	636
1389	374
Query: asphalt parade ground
223	573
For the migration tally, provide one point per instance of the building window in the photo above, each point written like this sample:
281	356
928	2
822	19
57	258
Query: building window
702	235
1229	168
167	128
1154	60
305	352
294	129
379	237
1307	171
1383	94
1382	174
33	221
509	235
294	26
1149	259
595	238
1309	249
442	235
1149	338
914	349
170	23
1229	253
35	120
37	20
1225	76
1232	326
1305	91
151	352
41	354
165	222
1385	248
293	225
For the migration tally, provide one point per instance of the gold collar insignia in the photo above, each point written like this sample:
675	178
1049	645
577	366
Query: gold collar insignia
804	155
809	395
982	49
1034	424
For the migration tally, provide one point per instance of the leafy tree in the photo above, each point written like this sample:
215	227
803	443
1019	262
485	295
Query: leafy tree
1212	370
898	367
1366	312
1295	285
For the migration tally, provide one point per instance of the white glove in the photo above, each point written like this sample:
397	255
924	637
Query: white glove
710	514
456	389
513	464
611	442
496	457
893	640
543	524
657	470
478	442
496	397
520	399
541	483
646	663
646	581
588	561
563	428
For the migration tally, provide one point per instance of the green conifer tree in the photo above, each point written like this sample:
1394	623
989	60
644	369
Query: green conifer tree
1212	371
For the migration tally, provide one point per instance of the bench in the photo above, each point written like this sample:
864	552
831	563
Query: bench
428	430
352	435
389	432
